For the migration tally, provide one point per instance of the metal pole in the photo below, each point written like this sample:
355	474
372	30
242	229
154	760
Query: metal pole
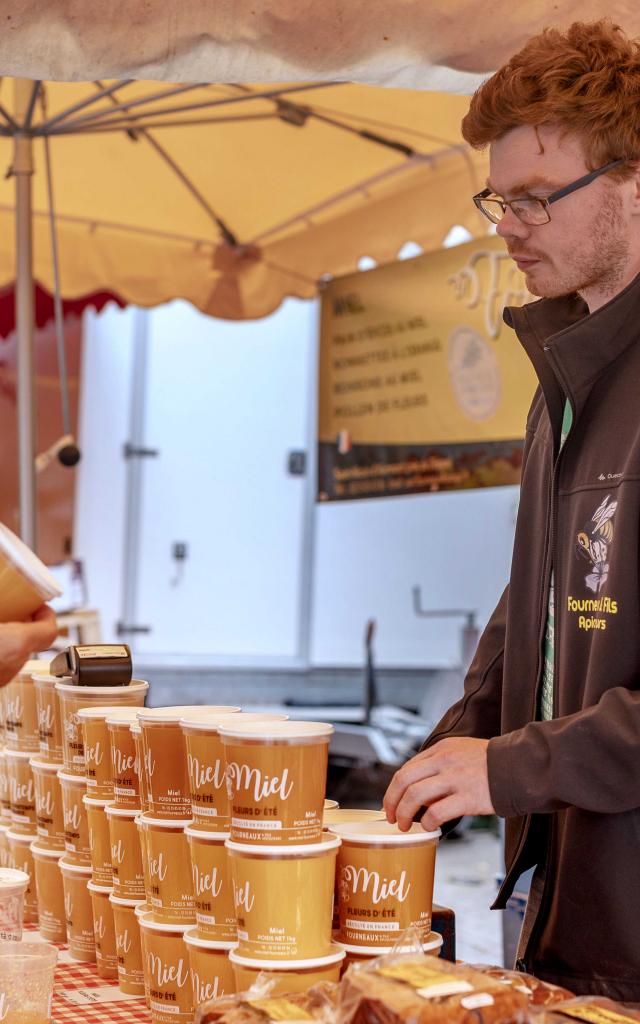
23	170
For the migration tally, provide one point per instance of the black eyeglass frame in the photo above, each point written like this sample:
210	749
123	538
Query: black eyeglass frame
586	179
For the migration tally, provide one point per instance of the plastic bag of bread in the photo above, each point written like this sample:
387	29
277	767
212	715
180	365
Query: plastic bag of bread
586	1009
410	988
258	1006
538	993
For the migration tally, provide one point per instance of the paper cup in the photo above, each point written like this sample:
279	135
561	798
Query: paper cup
78	910
74	698
26	981
170	893
13	886
211	970
385	881
284	899
125	772
212	887
49	717
289	975
22	796
76	823
140	912
136	731
97	750
126	853
360	954
276	779
128	948
25	582
5	802
5	852
99	841
206	766
165	758
167	973
48	797
340	815
50	892
22	859
103	931
20	709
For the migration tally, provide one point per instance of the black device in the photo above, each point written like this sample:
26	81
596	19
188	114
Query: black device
94	665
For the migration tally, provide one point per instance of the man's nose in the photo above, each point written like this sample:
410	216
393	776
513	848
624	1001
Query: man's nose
511	226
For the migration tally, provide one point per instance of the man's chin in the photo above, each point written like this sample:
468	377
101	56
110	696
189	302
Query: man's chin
547	289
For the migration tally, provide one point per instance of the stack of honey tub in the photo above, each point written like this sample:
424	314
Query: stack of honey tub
282	861
86	786
182	964
189	849
19	831
232	807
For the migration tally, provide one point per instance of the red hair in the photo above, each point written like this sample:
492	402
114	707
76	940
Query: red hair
585	80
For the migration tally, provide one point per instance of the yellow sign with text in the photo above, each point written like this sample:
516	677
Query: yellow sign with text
422	385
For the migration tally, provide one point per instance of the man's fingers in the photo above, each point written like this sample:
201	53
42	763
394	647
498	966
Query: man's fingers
438	813
420	794
42	630
414	770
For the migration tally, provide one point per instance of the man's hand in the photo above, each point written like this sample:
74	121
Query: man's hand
450	779
19	640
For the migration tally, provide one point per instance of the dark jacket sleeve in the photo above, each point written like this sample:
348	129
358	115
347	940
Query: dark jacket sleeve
478	711
587	760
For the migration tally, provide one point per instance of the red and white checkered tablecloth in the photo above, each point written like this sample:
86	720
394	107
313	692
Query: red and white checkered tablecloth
80	976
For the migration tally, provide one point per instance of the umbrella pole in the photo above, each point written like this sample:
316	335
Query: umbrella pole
23	170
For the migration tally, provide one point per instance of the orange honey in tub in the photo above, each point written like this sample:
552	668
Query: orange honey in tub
276	779
385	881
206	765
125	769
165	758
74	698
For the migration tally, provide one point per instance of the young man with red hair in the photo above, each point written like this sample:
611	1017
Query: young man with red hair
547	733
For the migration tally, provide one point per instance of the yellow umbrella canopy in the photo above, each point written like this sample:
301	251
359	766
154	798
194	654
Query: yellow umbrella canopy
230	196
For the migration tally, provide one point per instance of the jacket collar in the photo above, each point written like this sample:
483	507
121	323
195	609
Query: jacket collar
569	347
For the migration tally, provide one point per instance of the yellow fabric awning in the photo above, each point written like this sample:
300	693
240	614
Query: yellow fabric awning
234	202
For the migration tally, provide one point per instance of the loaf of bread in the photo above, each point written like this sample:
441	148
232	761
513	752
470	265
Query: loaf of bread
538	993
586	1010
318	1004
414	989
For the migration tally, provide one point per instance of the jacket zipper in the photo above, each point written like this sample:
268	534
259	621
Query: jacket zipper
544	590
546	889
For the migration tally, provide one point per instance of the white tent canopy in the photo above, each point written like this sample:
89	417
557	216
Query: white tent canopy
445	45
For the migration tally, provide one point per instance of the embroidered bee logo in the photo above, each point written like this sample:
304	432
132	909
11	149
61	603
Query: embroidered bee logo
594	541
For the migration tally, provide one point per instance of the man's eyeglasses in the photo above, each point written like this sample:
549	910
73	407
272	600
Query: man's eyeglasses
529	209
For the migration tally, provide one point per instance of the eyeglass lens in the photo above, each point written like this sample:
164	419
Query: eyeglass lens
529	211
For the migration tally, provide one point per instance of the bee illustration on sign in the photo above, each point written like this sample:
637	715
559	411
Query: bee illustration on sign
594	541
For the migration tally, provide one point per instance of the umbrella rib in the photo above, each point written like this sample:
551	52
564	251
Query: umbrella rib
135	130
30	109
141	101
82	104
225	231
360	186
140	126
387	124
92	223
268	94
13	124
